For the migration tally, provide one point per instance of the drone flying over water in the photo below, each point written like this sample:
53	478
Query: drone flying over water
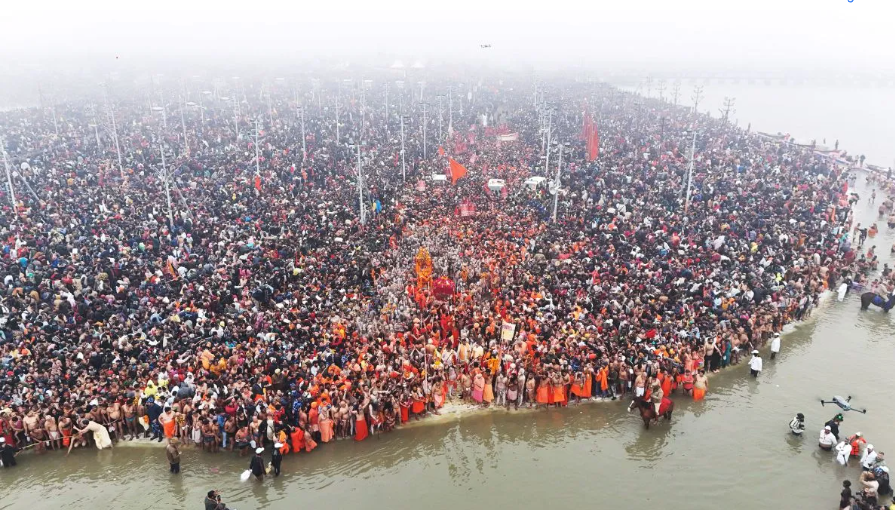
843	403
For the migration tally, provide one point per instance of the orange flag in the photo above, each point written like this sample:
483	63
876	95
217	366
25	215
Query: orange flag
440	150
258	182
457	171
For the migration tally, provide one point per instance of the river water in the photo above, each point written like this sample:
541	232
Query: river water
860	117
732	450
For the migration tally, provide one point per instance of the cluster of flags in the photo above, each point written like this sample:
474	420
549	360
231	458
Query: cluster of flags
591	137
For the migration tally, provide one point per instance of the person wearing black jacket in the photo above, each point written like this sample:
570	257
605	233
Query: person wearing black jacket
276	458
154	410
213	501
7	453
257	464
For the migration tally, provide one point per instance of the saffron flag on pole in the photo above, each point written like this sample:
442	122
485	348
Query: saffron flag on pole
258	182
593	143
457	171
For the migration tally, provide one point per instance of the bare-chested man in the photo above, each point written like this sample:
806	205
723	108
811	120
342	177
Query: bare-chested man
130	419
55	441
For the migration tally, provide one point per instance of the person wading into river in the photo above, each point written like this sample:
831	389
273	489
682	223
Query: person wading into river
172	452
257	464
797	425
827	439
775	345
276	458
755	364
7	453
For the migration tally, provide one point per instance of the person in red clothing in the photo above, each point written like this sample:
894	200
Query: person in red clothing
361	431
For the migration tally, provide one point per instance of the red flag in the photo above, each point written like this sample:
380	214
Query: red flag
587	128
593	144
457	171
258	182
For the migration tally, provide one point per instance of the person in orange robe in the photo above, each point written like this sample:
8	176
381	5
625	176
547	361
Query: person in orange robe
310	444
666	383
405	410
298	439
559	393
360	428
543	393
603	376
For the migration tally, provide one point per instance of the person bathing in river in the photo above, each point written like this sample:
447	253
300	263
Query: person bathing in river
656	396
797	425
827	439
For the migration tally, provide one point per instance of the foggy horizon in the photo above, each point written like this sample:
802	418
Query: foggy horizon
796	36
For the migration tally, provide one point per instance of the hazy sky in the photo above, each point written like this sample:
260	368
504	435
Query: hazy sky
795	33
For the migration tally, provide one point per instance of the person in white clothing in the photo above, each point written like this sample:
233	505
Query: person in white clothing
755	364
842	290
827	439
797	425
775	345
843	450
868	458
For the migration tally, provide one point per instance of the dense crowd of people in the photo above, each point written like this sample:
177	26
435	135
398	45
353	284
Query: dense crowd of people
263	313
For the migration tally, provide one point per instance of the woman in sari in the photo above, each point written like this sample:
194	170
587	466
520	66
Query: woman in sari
478	387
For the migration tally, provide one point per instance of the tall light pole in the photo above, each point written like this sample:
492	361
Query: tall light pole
386	108
12	191
186	143
556	183
440	116
425	122
450	110
236	115
96	128
55	124
360	189
257	150
697	96
111	114
304	147
337	114
690	177
403	164
167	188
165	166
549	133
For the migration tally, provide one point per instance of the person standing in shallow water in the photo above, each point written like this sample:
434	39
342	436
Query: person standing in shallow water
257	464
172	452
755	364
8	453
775	345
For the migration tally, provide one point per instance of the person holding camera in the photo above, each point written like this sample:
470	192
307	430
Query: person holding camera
213	501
